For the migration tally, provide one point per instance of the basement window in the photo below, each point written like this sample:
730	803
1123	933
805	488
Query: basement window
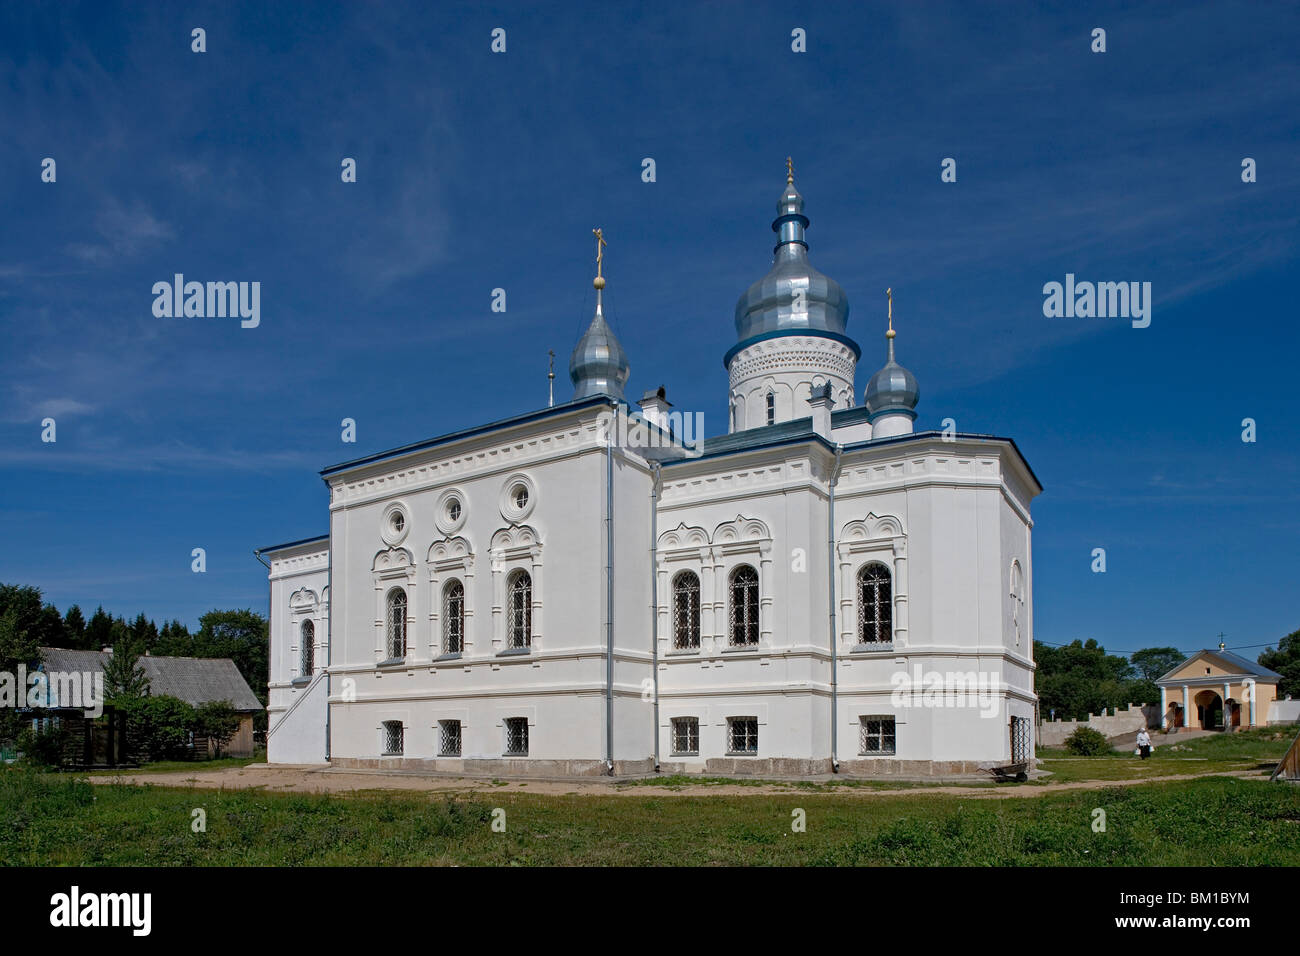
876	735
742	735
686	736
393	738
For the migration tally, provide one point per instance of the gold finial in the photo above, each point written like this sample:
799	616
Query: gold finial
599	281
889	293
789	171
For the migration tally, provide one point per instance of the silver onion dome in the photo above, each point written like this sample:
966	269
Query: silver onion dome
793	296
598	365
892	389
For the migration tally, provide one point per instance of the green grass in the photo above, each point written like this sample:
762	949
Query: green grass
56	819
178	766
1244	750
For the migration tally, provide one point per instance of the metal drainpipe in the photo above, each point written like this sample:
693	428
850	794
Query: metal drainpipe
609	604
329	648
655	478
830	552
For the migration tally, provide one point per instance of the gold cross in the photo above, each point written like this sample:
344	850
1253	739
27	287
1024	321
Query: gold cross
600	241
789	170
889	293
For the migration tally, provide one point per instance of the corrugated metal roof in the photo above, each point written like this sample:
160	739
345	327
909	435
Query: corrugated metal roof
195	680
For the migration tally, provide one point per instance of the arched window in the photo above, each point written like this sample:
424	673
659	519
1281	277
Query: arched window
771	408
396	623
744	605
519	620
307	648
453	617
875	608
686	610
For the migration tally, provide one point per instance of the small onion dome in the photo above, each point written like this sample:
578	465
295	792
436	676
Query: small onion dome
793	295
598	365
892	389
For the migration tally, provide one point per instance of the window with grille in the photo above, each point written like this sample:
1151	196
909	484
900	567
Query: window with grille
307	639
453	617
516	736
876	735
875	610
686	610
396	623
744	606
519	623
449	738
742	735
771	408
686	735
393	737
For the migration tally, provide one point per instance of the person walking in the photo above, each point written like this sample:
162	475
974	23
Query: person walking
1144	744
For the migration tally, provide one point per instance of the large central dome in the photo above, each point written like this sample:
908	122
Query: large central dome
793	296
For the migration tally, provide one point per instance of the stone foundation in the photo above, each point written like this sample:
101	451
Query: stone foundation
717	766
499	767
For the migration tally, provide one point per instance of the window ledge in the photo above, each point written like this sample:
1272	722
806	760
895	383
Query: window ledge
880	647
683	652
691	753
515	652
392	662
879	753
742	753
741	649
300	681
443	658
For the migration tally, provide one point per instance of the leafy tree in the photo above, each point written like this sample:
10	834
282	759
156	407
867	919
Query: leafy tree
124	676
1081	679
241	636
1155	662
216	720
34	620
1286	661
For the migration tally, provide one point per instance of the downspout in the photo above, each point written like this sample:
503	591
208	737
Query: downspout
609	604
830	568
269	611
329	648
656	479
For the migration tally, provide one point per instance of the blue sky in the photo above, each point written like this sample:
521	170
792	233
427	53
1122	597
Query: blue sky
478	170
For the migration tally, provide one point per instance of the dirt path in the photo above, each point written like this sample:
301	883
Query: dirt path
319	780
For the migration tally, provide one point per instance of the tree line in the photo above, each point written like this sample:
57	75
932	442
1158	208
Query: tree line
1080	678
27	623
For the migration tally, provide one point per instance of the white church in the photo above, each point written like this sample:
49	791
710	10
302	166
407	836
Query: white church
591	588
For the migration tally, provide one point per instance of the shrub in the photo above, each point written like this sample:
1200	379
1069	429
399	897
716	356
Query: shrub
44	747
1086	742
159	728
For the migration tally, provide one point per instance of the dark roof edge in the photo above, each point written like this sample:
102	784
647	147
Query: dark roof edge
911	436
470	433
271	549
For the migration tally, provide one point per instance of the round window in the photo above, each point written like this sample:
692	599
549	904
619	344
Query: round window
520	497
453	509
397	522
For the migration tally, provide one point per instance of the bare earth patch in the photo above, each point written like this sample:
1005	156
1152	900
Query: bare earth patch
323	780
